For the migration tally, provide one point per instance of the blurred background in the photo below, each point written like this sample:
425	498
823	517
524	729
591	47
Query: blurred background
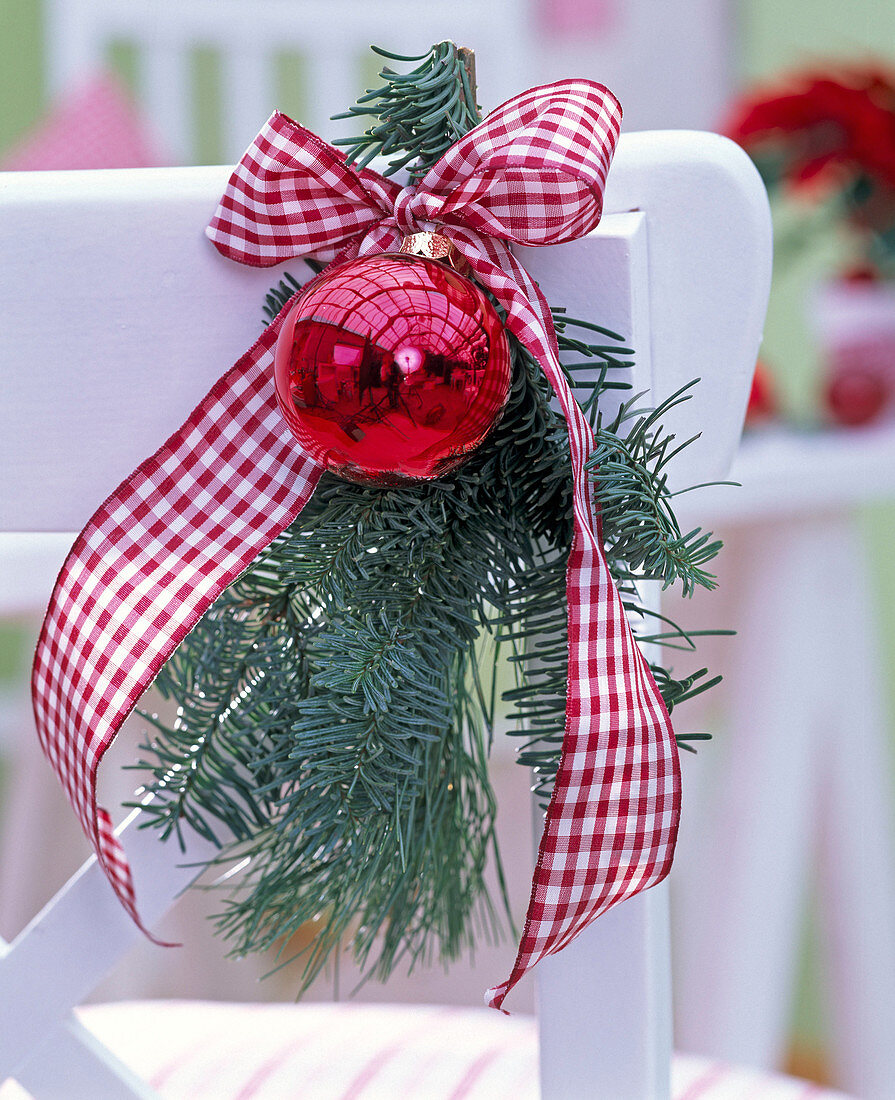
784	904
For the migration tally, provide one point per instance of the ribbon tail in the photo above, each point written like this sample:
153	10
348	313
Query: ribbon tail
612	821
147	566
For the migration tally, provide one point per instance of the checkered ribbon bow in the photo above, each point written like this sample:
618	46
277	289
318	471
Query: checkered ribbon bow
191	518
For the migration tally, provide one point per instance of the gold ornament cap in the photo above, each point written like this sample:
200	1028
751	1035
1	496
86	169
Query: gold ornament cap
435	246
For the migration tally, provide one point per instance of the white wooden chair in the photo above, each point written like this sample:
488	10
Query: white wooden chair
148	318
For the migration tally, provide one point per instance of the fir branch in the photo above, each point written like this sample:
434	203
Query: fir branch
347	756
640	529
332	717
418	115
642	541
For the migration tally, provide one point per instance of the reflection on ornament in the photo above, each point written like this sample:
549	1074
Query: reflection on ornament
409	359
391	368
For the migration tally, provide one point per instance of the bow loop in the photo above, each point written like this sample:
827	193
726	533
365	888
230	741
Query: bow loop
292	194
534	171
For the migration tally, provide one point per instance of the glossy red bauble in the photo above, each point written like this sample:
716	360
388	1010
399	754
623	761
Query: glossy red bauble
391	368
856	395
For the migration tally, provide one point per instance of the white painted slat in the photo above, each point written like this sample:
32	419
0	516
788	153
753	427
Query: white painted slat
72	944
786	474
247	81
604	1007
611	988
166	93
710	271
331	82
73	50
147	317
144	292
142	21
30	566
72	1062
604	277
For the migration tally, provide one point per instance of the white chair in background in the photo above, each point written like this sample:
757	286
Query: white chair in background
796	799
329	40
151	317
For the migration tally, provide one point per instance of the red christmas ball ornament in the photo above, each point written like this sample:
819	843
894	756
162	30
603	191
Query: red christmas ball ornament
391	368
856	395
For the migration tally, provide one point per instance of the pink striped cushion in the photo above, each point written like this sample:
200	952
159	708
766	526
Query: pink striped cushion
199	1050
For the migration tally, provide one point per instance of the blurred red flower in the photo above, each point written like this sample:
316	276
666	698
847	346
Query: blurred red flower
823	129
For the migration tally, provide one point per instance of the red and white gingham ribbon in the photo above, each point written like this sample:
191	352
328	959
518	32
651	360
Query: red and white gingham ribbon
192	517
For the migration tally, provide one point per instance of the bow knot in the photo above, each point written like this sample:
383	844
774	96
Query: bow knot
406	219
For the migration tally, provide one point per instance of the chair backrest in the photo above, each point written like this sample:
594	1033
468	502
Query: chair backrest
310	57
117	315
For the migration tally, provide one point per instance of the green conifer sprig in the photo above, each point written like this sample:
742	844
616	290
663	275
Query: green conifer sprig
419	115
335	707
630	467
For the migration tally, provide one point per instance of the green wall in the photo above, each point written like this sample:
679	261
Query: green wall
22	88
779	34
